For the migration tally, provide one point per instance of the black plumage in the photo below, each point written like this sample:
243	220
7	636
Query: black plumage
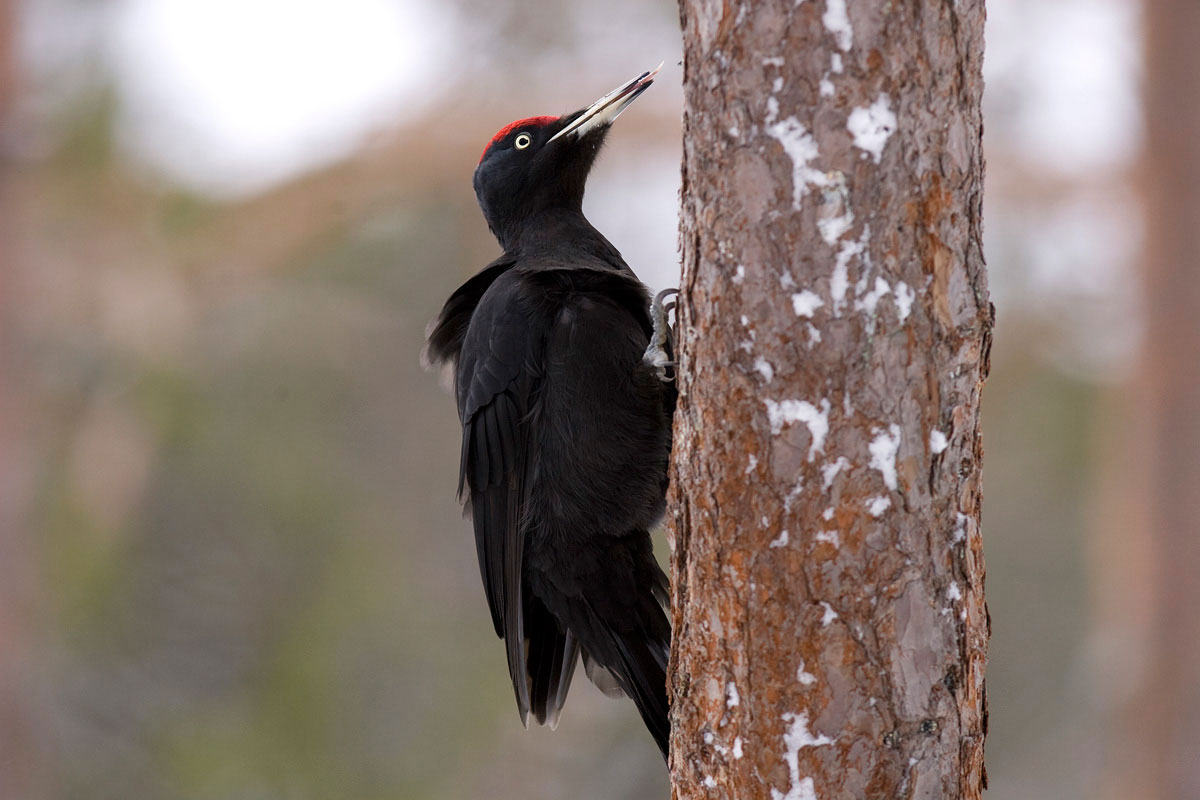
566	425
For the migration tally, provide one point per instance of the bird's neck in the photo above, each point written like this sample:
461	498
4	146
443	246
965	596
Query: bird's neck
561	232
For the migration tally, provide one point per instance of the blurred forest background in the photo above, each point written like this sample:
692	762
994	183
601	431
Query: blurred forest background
231	560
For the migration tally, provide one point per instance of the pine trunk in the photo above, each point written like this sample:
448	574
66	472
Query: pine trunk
830	625
1153	745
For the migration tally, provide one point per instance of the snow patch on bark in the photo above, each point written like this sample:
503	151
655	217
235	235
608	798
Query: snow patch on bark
787	412
802	789
793	494
764	368
830	471
839	282
806	302
780	541
872	126
960	529
937	441
877	505
904	300
869	302
829	616
883	450
836	213
837	22
834	228
795	738
829	536
747	345
731	695
805	678
801	147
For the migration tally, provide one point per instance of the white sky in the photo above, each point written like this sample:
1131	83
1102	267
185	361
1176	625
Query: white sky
234	95
1070	69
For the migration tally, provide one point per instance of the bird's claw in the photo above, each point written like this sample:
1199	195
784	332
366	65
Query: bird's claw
662	340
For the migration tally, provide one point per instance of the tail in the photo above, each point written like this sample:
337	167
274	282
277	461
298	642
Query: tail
626	636
551	656
640	669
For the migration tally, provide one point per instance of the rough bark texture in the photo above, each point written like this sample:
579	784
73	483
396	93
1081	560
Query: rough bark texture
1154	747
830	625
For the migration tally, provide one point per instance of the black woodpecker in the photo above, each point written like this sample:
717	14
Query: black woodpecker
562	377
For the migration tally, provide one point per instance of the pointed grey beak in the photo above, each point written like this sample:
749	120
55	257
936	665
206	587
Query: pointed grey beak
608	108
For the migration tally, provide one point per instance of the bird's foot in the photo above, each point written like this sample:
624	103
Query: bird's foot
659	352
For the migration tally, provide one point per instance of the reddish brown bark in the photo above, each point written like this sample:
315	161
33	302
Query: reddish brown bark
830	625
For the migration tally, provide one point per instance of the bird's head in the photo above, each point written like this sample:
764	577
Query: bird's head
542	163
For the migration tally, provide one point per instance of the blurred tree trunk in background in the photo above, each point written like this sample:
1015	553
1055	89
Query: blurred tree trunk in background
1155	746
17	748
830	625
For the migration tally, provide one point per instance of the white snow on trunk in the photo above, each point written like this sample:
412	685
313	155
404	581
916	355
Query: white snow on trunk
904	300
795	738
837	22
872	126
806	302
883	454
786	412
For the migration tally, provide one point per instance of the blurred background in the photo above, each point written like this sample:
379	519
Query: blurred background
231	560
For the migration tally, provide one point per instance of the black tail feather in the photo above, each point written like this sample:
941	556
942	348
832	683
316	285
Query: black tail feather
643	676
615	610
550	662
635	647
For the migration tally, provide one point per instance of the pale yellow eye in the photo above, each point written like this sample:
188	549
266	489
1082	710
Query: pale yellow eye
522	141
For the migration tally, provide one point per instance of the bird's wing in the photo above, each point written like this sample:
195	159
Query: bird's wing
498	376
446	333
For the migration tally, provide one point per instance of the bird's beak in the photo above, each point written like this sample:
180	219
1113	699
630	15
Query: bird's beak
608	108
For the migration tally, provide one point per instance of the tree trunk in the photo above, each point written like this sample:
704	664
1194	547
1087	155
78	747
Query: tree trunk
19	773
1153	746
830	625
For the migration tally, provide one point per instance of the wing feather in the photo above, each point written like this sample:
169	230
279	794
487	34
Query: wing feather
496	386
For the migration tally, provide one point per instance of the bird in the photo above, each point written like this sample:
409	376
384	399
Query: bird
563	375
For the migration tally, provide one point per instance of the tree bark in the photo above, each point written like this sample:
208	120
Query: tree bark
830	625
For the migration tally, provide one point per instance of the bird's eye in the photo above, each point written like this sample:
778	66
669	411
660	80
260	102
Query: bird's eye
522	141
